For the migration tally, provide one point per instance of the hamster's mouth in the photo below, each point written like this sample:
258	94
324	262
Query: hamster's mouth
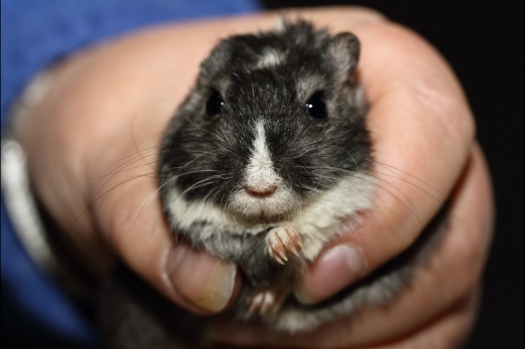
281	204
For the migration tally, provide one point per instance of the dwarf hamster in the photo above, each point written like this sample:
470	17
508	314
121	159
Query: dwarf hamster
267	160
268	156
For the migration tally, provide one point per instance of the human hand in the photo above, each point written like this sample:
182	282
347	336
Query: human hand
111	102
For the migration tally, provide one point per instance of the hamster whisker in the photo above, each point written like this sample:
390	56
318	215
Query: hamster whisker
202	207
201	183
216	190
392	176
407	173
321	171
224	144
123	167
187	164
313	146
406	181
98	197
195	171
120	168
147	152
406	202
345	151
138	166
177	176
150	197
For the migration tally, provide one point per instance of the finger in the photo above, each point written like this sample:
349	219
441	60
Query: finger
448	331
452	273
422	131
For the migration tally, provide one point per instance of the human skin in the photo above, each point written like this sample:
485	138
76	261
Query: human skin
110	103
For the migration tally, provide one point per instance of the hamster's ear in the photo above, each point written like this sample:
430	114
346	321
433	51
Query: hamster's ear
218	61
344	51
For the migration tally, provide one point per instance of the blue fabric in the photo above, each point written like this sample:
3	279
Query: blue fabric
34	34
46	309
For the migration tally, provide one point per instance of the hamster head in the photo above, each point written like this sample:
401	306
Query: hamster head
274	120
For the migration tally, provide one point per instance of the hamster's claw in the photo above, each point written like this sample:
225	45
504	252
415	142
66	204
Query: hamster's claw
282	240
270	299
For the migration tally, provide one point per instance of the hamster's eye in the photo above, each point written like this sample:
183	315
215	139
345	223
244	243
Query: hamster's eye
316	106
214	103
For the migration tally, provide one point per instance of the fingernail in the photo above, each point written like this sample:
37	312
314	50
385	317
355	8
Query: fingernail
203	280
335	269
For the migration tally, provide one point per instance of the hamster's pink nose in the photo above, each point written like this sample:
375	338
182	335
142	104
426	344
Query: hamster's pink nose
260	192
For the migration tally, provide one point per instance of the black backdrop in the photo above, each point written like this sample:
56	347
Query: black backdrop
483	41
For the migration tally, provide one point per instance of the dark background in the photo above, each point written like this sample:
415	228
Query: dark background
483	41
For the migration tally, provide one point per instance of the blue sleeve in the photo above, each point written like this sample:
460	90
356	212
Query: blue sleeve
34	34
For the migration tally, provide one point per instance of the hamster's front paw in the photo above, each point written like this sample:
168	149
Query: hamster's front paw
282	240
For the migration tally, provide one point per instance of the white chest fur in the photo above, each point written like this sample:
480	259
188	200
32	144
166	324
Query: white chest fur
318	219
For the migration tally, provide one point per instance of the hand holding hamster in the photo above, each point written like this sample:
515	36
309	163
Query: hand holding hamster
402	78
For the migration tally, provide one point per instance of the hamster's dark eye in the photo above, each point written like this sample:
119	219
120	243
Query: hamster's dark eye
316	106
214	103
